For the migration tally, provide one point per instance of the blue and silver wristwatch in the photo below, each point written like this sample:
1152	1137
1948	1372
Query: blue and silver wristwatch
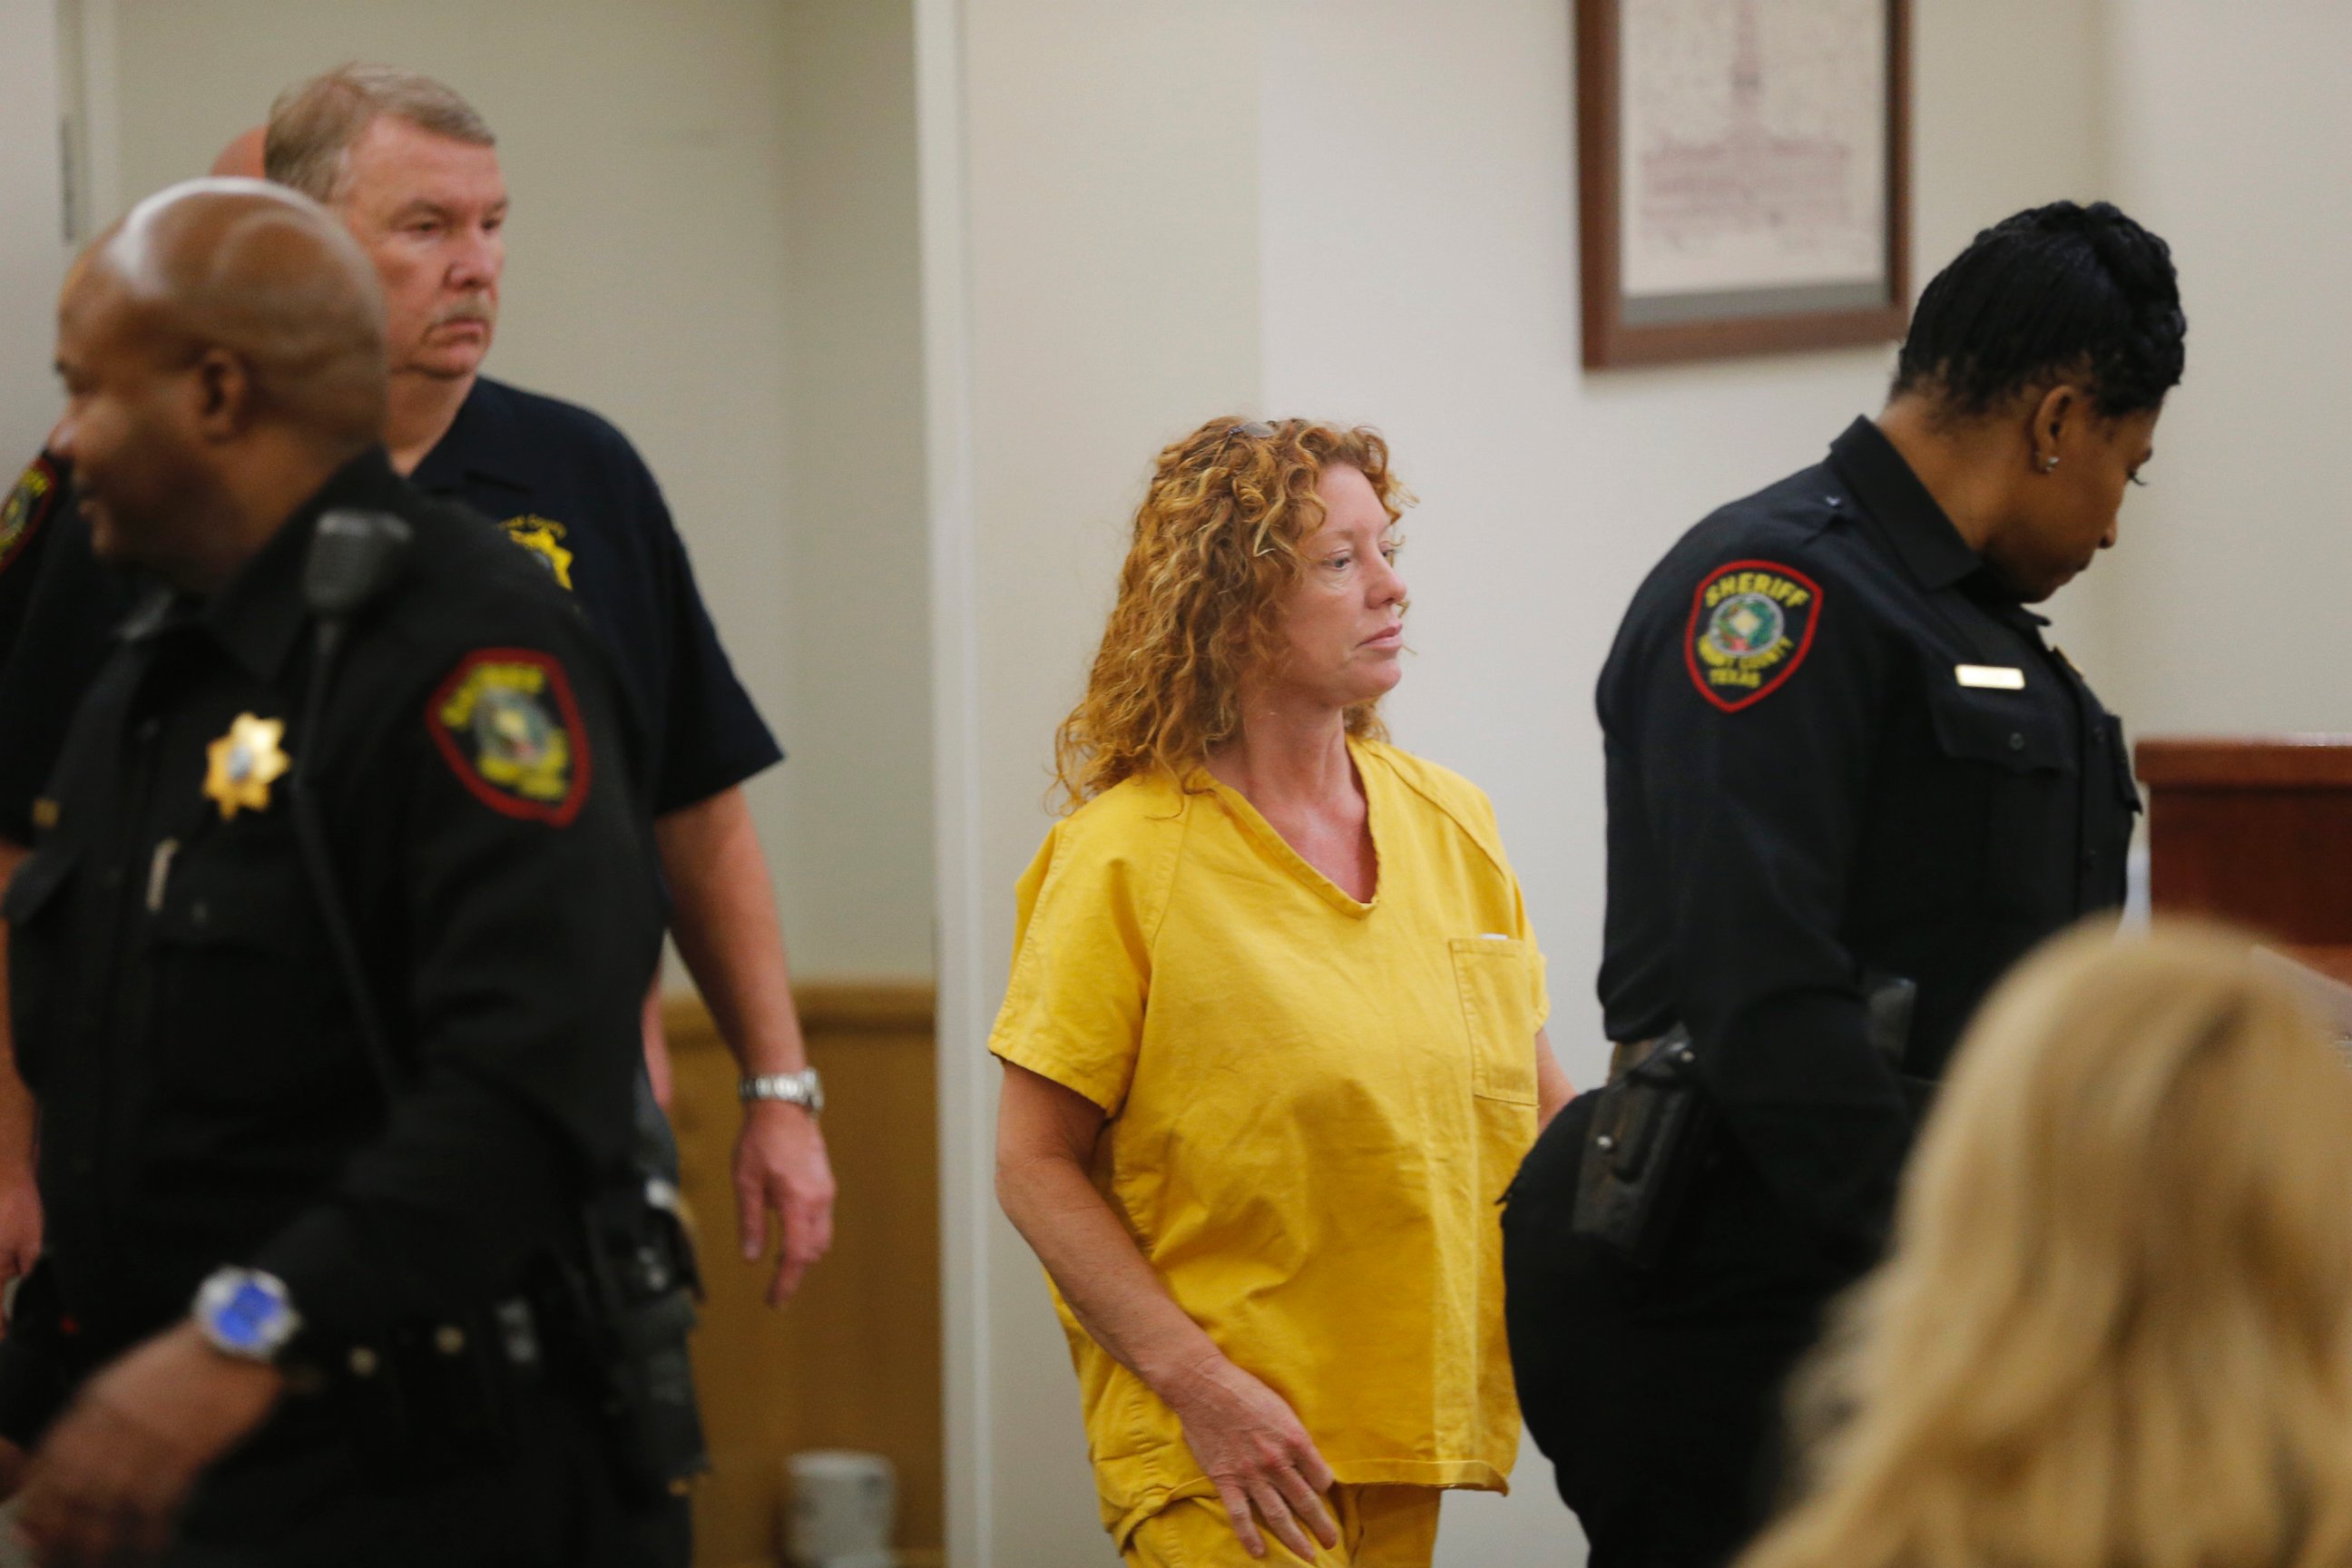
245	1314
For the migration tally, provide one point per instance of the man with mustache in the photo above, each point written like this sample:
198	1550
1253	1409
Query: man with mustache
411	169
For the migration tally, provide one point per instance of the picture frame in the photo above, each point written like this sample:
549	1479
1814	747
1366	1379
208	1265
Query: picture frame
1743	176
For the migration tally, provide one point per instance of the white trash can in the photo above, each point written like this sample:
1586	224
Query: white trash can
843	1510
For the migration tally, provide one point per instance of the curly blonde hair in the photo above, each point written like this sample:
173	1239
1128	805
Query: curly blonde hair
2113	1331
1217	550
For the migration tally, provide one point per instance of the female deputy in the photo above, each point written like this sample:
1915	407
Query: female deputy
1844	767
1273	1044
2113	1328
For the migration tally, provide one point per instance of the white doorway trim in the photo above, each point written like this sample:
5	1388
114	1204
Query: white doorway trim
965	1104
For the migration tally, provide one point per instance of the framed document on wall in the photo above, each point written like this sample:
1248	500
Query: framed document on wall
1743	175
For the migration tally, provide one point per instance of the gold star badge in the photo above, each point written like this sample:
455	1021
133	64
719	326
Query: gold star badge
245	762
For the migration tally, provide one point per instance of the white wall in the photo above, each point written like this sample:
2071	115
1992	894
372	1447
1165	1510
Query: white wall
713	244
32	259
2232	138
855	855
1104	161
1407	258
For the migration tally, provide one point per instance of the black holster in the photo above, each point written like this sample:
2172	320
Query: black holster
633	1295
1653	1131
1651	1135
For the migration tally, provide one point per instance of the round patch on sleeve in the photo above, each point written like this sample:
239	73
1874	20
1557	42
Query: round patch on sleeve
506	722
1751	625
29	507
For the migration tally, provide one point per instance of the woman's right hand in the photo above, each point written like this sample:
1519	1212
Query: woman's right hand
1252	1446
1247	1440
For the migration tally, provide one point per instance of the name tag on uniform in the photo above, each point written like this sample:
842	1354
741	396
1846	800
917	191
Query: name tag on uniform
1991	677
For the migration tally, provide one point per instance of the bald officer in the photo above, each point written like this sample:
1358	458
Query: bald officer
411	169
324	1097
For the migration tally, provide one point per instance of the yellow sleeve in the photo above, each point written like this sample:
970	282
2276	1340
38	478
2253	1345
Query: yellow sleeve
1081	967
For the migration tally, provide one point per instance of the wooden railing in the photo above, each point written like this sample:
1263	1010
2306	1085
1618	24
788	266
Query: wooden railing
2256	830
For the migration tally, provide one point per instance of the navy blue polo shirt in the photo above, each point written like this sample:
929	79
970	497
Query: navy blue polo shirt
568	488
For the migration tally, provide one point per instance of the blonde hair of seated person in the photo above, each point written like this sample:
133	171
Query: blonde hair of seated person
2114	1330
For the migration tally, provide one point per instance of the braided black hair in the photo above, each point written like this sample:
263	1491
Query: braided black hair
2058	290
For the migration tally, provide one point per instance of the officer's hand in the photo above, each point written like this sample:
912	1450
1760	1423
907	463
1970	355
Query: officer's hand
20	1225
1251	1443
780	1165
106	1484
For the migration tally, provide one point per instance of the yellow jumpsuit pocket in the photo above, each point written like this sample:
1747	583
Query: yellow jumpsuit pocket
1496	978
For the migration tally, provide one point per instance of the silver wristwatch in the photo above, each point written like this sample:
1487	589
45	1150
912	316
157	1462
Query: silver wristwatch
245	1313
803	1089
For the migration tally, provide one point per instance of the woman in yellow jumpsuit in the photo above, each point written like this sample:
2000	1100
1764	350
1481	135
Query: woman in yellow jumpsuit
1274	1041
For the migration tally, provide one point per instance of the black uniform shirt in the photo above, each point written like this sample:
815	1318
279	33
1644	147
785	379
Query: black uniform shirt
204	1091
1837	746
569	488
57	605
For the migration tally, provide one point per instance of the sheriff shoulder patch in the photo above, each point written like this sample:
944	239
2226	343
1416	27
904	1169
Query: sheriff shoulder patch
506	722
28	506
1751	625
